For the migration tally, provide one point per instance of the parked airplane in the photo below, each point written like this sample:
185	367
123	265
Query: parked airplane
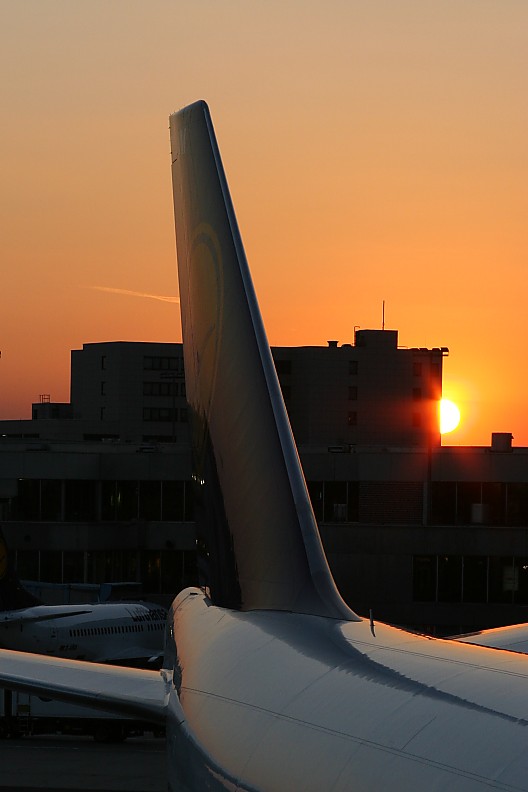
270	682
125	633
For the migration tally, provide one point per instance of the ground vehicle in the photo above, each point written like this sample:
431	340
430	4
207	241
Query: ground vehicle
23	714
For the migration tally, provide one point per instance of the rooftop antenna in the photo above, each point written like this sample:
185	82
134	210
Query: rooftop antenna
383	316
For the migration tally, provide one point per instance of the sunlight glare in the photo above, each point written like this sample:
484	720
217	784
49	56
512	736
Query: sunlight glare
449	416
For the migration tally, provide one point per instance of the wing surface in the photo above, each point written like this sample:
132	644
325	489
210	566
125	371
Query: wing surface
125	691
513	638
33	615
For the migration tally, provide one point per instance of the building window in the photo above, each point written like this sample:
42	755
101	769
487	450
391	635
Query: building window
352	366
475	577
150	500
126	498
102	413
103	362
163	363
352	418
449	578
80	500
416	420
38	499
424	578
103	388
161	389
417	369
163	414
352	392
173	500
50	499
443	502
517	504
469	503
503	579
335	501
417	394
452	578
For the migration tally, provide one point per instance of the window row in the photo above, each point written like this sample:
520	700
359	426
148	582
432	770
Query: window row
386	502
284	367
417	419
87	501
162	363
417	393
373	502
479	503
165	414
117	629
456	578
452	503
153	571
170	388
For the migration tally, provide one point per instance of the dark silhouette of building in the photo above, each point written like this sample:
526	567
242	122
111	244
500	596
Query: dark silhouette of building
421	534
369	393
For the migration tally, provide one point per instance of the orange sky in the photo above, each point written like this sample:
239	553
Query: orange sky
375	151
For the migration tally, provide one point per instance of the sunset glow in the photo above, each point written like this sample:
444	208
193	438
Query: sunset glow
383	143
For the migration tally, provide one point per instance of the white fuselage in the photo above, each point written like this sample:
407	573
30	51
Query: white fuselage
274	700
107	632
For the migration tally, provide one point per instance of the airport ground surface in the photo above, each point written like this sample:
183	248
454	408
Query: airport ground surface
68	764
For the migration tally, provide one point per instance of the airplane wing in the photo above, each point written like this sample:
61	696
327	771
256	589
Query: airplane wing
125	691
29	616
514	638
131	654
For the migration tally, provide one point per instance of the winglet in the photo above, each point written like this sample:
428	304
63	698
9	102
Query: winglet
260	542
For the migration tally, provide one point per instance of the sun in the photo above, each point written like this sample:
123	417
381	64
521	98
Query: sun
449	416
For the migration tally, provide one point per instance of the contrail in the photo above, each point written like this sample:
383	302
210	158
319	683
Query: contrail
130	293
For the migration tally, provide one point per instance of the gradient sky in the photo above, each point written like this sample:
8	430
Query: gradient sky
375	150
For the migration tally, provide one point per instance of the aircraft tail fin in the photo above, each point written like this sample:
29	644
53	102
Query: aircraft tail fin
260	543
13	595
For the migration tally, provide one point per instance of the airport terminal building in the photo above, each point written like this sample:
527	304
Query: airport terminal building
433	537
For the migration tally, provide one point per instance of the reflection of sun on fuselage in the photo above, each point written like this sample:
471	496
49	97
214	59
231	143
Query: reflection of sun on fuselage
449	416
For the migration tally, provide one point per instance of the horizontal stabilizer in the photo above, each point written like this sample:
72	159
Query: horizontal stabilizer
514	638
124	691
